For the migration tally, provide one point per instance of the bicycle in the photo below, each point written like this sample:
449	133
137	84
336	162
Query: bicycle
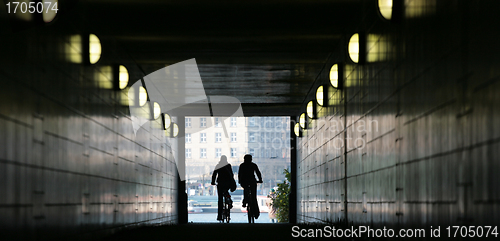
250	204
226	211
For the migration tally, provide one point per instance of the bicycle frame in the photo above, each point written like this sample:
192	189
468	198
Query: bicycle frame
226	211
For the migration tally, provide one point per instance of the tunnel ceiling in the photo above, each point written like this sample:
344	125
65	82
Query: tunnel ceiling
267	54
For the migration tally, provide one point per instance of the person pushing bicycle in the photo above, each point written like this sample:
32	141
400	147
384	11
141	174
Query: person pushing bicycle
224	174
246	178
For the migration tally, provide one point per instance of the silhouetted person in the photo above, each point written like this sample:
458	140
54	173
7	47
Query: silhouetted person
246	178
223	173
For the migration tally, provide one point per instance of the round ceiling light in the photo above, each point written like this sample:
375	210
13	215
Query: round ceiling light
143	96
334	76
94	49
123	77
156	110
302	120
319	95
354	48
296	129
310	109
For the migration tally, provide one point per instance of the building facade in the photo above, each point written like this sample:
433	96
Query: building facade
267	139
269	144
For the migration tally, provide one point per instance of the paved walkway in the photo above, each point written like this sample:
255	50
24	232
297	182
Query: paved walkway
206	232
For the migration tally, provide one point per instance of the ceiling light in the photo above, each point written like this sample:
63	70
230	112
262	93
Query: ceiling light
354	48
156	110
94	49
296	129
310	109
143	96
302	120
319	95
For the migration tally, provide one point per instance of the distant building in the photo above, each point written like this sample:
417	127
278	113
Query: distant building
207	138
269	144
267	139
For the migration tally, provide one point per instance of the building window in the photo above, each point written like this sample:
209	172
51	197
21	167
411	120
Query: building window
218	152
188	137
188	122
251	121
267	153
233	152
269	122
251	137
218	122
233	136
252	152
203	122
218	137
203	137
233	121
188	152
203	153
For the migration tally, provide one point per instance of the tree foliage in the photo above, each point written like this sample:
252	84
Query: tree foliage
281	200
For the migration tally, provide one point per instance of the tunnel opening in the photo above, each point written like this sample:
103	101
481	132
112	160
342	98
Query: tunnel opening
208	139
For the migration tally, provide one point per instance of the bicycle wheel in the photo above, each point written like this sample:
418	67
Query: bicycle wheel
249	213
228	213
250	206
251	218
223	213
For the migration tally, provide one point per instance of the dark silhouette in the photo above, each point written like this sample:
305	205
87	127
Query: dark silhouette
223	174
246	178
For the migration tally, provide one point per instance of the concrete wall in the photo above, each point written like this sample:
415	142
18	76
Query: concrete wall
70	164
423	124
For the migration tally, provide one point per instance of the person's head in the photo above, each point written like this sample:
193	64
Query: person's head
223	160
272	190
247	158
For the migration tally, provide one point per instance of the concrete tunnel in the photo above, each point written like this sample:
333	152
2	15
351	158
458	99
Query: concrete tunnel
391	103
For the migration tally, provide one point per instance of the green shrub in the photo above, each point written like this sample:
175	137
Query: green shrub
281	200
